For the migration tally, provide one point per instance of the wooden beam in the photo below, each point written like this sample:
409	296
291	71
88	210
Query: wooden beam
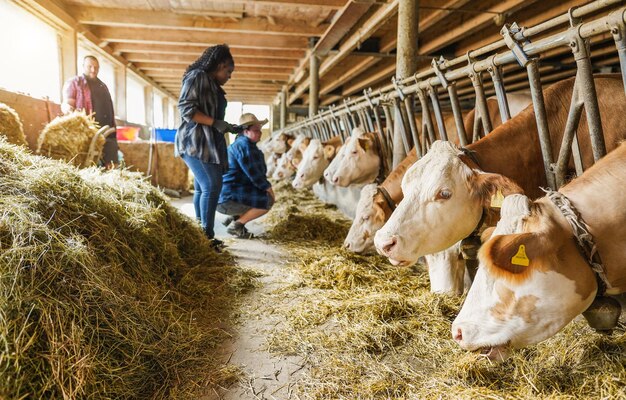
321	4
472	25
172	20
342	23
188	59
236	77
155	66
196	51
368	79
167	36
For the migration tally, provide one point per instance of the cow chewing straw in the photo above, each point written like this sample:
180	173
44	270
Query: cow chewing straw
11	126
106	290
370	330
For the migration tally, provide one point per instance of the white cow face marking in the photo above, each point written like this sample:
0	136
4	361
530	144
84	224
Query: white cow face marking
360	163
370	217
513	305
438	209
314	162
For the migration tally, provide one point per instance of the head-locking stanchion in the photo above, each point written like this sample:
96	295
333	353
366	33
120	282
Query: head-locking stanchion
454	99
618	30
481	100
410	125
441	125
534	79
496	77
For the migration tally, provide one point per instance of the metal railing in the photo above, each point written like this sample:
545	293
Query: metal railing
375	111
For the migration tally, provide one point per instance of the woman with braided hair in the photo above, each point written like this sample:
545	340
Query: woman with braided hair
200	138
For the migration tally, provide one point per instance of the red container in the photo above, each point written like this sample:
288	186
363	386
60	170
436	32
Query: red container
128	133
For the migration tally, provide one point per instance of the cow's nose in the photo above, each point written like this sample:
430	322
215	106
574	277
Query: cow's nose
280	174
457	334
389	244
336	179
346	245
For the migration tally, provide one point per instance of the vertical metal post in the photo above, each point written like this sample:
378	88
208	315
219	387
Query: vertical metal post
426	119
434	99
498	84
389	123
404	126
410	111
542	119
481	100
569	139
618	29
584	77
458	114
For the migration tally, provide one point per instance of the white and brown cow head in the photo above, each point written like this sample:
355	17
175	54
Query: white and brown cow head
444	199
369	218
329	172
288	162
361	160
531	282
315	159
279	144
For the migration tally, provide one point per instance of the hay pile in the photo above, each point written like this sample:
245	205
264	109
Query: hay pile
370	330
106	290
73	138
10	126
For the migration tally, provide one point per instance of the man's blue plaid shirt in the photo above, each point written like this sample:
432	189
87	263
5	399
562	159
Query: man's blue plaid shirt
245	181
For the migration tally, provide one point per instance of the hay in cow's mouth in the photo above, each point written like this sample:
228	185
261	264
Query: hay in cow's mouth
106	290
374	331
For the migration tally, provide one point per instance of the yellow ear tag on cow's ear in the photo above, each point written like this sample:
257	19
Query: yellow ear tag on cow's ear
520	258
496	199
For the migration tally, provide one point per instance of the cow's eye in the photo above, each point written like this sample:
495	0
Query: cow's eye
315	157
366	217
444	194
354	152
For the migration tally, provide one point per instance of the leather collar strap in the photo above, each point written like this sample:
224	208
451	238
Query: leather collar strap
584	239
387	197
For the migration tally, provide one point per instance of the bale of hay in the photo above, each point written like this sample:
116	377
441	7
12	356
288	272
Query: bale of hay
168	171
10	126
105	288
73	138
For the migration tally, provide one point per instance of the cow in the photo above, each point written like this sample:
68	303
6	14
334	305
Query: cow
271	158
332	167
315	159
448	192
517	103
286	166
361	161
532	279
279	144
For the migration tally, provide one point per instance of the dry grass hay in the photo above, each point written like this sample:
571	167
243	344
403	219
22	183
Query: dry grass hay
171	172
69	138
370	330
106	290
10	126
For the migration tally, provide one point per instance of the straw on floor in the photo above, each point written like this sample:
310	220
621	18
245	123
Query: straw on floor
11	126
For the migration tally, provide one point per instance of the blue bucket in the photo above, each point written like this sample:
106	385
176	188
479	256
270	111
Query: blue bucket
165	135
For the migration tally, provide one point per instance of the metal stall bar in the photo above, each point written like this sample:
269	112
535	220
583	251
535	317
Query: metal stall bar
570	140
401	113
584	78
481	99
618	30
426	120
409	123
434	99
496	77
454	100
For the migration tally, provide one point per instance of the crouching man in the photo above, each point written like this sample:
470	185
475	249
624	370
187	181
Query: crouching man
246	193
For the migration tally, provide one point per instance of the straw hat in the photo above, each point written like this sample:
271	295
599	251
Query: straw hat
249	119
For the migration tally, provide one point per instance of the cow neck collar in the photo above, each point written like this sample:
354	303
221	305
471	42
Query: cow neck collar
387	197
584	239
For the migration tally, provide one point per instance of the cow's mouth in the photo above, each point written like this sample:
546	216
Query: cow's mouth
496	353
399	263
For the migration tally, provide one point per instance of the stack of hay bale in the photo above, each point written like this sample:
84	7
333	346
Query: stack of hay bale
74	138
101	283
10	126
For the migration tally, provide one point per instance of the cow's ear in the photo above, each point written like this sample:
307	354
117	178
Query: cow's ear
513	254
486	234
492	188
296	161
329	151
290	141
303	146
365	142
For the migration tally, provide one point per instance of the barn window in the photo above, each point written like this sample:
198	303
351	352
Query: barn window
30	62
135	101
157	106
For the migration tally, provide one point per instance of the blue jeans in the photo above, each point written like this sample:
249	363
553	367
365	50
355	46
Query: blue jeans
207	186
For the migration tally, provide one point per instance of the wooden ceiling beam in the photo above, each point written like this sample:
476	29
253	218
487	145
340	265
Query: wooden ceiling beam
241	76
323	4
196	51
368	79
188	59
178	37
170	19
156	66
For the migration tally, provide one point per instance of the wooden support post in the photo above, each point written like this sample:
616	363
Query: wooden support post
314	84
283	108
